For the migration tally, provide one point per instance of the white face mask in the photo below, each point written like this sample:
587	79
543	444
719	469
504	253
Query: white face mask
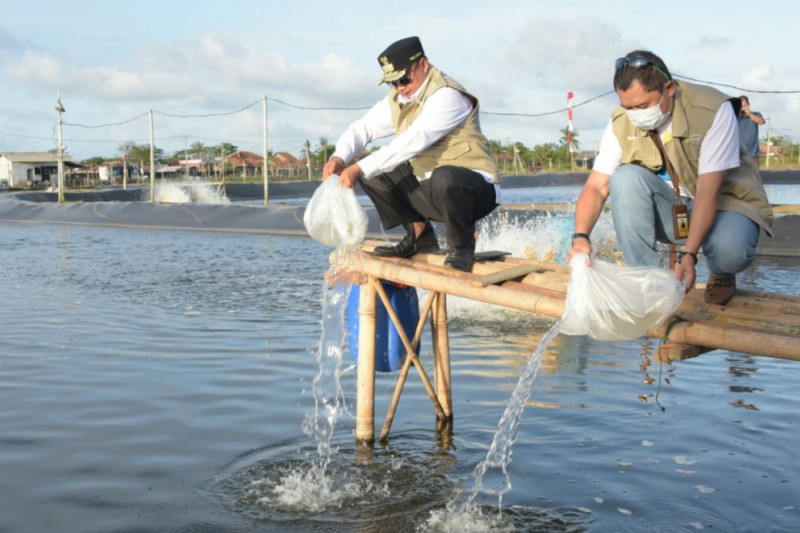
648	119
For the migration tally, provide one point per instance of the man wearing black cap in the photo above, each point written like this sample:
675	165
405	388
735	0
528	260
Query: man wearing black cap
439	165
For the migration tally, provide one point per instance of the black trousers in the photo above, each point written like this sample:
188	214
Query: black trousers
456	196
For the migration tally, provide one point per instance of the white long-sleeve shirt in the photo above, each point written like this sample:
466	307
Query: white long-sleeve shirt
444	110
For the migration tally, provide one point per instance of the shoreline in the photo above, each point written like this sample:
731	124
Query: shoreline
304	189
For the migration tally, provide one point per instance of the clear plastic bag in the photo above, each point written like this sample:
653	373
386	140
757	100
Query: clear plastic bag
610	302
333	215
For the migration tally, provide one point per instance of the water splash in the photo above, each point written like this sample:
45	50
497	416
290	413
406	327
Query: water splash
201	193
491	475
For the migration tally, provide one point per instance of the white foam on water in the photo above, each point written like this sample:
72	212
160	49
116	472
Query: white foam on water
543	238
201	193
208	194
462	518
171	193
311	490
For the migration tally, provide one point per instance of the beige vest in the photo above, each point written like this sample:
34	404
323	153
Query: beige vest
693	112
465	146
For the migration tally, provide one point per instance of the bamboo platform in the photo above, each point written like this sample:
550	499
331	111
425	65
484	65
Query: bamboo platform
757	323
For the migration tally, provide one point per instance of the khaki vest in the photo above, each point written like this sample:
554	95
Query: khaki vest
465	146
693	112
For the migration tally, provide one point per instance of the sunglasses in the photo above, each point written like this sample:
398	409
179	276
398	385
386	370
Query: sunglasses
405	80
637	62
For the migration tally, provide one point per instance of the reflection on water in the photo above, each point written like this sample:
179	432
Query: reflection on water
159	380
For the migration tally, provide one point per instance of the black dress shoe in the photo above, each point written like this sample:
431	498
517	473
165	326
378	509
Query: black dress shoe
410	245
461	258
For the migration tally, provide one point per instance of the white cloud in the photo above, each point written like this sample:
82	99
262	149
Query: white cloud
35	68
757	78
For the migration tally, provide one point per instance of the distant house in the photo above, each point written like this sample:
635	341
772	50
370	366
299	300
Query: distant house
171	172
287	165
774	151
27	169
585	160
244	164
197	167
114	171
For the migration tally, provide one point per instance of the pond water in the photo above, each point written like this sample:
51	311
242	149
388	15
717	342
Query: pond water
160	381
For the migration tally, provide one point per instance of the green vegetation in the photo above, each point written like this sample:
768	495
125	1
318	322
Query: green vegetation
512	157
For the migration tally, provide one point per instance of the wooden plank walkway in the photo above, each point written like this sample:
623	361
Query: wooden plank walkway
757	323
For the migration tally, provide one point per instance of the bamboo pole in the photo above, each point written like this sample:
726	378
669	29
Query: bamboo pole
410	350
441	355
401	380
365	396
734	339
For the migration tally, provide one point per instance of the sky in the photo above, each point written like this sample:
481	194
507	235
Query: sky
203	68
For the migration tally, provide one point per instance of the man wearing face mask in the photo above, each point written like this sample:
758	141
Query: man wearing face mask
667	136
438	166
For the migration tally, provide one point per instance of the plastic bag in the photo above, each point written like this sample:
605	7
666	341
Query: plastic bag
333	215
610	302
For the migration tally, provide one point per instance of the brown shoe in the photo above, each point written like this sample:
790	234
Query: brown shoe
719	290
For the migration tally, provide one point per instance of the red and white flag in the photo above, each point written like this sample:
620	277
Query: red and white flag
569	123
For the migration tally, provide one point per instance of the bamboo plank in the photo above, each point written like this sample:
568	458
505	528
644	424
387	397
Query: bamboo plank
769	295
767	302
698	304
504	275
768	322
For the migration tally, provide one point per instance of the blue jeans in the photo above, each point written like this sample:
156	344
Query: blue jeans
641	208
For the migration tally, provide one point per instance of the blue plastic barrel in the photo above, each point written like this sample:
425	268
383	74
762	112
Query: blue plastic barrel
389	350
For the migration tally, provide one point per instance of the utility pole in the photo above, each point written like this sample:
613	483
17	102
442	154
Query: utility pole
308	159
60	152
768	142
186	158
517	161
266	153
152	162
125	167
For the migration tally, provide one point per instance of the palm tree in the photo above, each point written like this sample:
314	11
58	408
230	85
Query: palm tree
323	147
565	135
199	149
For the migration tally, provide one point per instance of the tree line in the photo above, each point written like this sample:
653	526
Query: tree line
554	155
